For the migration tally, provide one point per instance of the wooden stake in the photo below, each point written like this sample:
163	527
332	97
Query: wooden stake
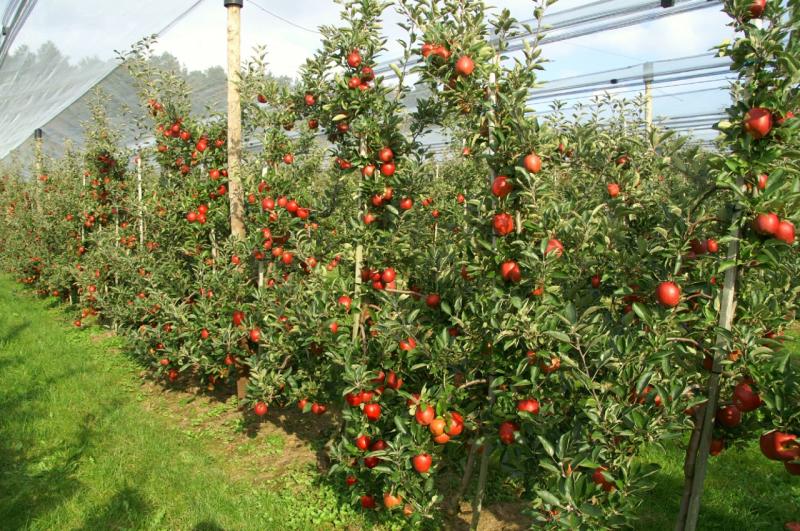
648	96
477	503
727	310
235	190
139	196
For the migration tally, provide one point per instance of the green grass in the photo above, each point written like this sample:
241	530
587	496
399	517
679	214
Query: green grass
83	445
78	449
743	491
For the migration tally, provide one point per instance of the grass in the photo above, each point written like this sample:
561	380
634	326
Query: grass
81	449
743	491
85	445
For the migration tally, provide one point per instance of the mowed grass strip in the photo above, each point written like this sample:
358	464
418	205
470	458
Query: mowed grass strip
81	447
78	449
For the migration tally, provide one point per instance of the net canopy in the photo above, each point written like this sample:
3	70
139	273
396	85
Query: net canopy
54	52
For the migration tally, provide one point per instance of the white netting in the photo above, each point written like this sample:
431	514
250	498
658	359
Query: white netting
65	48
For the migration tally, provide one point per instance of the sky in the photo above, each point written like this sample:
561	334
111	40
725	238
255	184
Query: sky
92	28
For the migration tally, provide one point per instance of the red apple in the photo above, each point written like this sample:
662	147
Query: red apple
532	163
465	65
758	122
729	416
766	224
530	405
422	463
501	187
785	232
668	294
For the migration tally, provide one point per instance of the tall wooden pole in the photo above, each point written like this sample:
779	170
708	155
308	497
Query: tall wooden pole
235	191
727	310
648	96
486	443
139	196
37	139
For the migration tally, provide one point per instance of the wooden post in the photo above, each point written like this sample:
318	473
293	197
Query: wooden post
648	96
37	146
139	196
359	260
235	191
477	502
727	310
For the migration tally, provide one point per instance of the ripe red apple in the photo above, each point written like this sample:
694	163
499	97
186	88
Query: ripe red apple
288	158
531	405
318	409
350	481
433	300
387	169
613	189
424	415
599	478
260	408
532	163
766	224
785	232
310	100
501	186
716	447
503	224
506	432
745	398
354	59
757	8
422	463
554	246
372	412
406	203
780	446
712	246
595	281
238	317
388	275
729	416
368	170
255	335
408	344
510	271
465	65
668	294
390	501
345	301
761	184
385	155
367	502
758	122
363	442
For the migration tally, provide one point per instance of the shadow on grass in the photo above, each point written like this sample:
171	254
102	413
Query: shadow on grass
36	483
13	332
208	526
127	509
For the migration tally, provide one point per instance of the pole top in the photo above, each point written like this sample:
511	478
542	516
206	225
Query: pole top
234	3
667	3
38	134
